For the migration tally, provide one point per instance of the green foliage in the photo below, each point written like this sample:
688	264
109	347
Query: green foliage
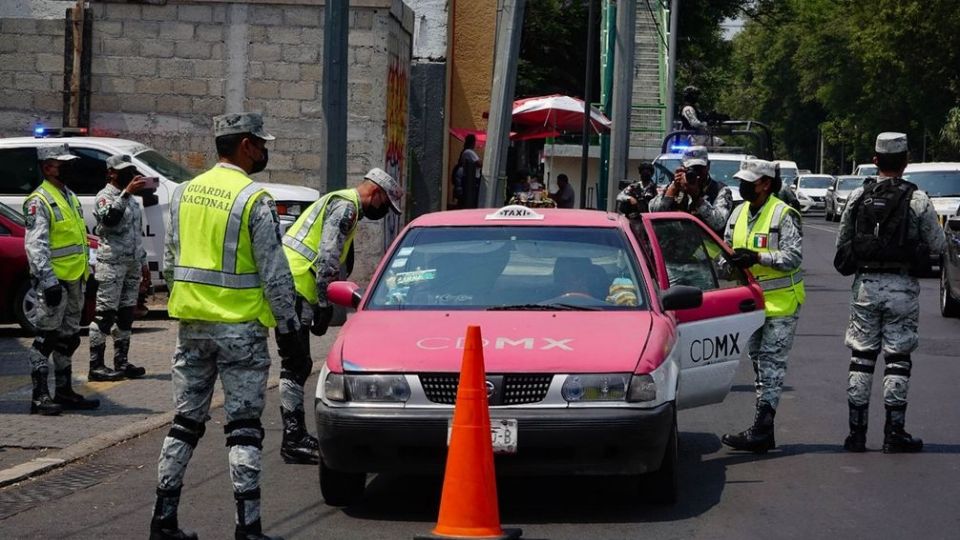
553	49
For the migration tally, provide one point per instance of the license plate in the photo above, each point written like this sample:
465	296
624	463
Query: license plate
503	434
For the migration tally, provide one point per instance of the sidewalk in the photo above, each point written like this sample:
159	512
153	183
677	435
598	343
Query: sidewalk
33	444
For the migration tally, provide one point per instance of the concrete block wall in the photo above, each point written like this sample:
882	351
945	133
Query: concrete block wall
31	74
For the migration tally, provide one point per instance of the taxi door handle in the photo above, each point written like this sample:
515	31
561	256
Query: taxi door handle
748	305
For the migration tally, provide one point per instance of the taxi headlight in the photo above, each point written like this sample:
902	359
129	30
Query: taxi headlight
377	388
601	387
642	388
333	388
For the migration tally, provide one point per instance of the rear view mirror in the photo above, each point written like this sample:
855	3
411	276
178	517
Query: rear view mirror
954	224
830	188
345	293
681	297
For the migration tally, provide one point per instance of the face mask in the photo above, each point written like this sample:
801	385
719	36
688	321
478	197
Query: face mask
68	173
377	212
260	164
748	191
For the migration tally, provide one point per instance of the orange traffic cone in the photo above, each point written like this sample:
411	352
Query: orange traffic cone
468	506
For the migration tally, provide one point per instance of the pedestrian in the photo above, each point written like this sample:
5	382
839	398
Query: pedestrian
121	262
694	191
689	114
892	228
635	198
466	174
230	282
767	239
564	196
56	246
317	247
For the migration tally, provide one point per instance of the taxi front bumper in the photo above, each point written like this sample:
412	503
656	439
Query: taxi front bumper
588	441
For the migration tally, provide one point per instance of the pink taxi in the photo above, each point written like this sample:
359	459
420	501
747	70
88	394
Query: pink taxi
596	331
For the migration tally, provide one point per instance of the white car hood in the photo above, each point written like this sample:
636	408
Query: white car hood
290	192
812	192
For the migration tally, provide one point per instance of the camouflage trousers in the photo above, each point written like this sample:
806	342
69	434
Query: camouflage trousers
768	349
242	361
291	381
119	285
884	316
58	328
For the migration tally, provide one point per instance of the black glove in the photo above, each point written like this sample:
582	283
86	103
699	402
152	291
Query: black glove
53	295
321	320
744	258
291	348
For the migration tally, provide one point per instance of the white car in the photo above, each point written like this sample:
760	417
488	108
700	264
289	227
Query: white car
722	169
811	191
20	174
788	171
941	182
865	169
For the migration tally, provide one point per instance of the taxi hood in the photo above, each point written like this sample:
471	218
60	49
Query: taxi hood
514	341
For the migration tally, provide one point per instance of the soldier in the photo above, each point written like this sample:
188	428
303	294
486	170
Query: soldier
317	246
56	245
768	240
695	192
121	260
635	199
229	283
891	227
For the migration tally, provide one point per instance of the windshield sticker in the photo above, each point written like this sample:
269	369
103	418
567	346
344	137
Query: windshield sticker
416	276
405	252
399	263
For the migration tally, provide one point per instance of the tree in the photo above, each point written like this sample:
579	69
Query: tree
553	50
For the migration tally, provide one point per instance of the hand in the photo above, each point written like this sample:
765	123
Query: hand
321	320
53	295
291	348
146	281
633	200
135	185
744	258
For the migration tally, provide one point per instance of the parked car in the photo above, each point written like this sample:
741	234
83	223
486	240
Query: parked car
788	171
812	188
20	174
837	195
950	270
18	299
594	338
941	182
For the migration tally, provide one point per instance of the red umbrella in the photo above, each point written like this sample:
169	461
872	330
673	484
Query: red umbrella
547	116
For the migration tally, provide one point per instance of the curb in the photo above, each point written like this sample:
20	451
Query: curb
87	447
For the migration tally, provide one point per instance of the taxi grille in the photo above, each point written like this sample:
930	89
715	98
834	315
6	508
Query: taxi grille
513	389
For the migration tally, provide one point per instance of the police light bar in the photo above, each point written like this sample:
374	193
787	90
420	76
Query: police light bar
679	147
41	132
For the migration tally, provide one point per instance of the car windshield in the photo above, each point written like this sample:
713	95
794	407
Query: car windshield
511	268
720	170
170	169
845	185
815	182
12	215
867	170
936	183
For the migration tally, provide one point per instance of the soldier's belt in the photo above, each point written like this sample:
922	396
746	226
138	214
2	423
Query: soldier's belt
783	282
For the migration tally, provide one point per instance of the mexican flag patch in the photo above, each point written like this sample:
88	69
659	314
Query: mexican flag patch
759	241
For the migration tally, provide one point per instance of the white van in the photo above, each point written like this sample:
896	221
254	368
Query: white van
20	174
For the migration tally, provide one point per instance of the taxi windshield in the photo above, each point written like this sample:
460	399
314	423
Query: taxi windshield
511	268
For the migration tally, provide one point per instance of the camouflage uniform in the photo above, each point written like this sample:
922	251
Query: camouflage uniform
236	351
120	260
713	211
643	195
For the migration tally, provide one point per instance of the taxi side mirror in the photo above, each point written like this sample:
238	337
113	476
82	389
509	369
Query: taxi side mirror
681	297
345	293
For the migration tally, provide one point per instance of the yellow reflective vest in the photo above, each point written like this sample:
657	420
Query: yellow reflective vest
301	243
68	234
783	291
215	277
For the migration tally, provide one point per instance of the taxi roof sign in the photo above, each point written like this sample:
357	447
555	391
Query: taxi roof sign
514	212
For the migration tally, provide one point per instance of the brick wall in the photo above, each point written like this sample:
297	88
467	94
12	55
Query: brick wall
31	74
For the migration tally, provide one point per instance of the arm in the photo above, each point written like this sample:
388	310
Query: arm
272	263
663	203
711	215
169	247
691	116
339	220
626	194
790	254
847	219
37	243
930	232
110	208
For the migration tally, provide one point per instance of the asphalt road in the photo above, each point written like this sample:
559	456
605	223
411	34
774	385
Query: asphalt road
807	488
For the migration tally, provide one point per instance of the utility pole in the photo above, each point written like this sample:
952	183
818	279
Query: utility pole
587	95
509	29
672	62
622	95
336	28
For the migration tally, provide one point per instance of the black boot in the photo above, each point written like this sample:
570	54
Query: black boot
164	524
41	402
246	503
98	371
895	439
67	398
298	445
120	362
252	531
758	438
856	441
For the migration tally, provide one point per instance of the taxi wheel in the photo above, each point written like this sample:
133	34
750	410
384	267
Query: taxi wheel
948	306
341	488
663	485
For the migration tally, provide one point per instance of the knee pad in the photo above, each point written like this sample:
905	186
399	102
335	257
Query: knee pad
897	364
125	318
187	430
104	320
298	376
46	341
67	345
237	439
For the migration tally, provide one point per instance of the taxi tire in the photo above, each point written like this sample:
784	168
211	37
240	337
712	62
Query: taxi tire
948	306
340	488
662	486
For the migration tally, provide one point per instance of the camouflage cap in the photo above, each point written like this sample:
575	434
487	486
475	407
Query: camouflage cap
386	182
245	122
120	161
60	152
695	155
891	142
752	170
